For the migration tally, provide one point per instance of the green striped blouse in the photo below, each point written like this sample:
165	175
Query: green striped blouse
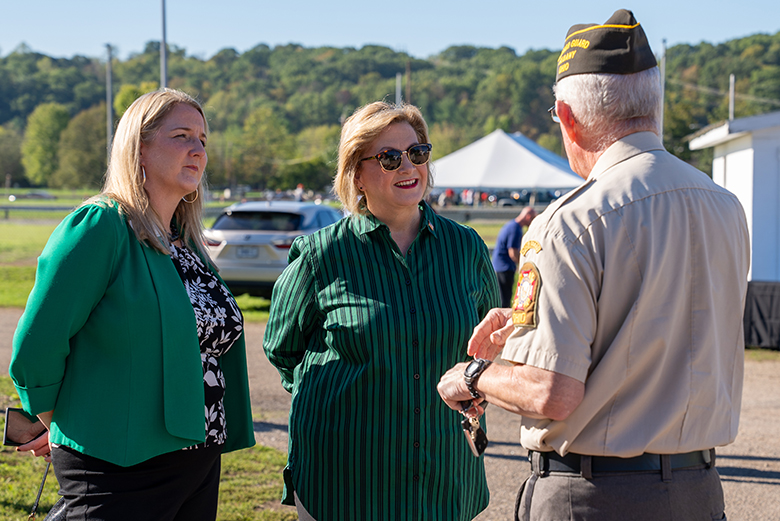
361	334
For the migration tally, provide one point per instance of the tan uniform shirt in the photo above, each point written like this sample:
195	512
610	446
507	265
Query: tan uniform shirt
643	277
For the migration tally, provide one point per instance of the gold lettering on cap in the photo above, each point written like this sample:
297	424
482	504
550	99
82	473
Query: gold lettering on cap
567	56
580	42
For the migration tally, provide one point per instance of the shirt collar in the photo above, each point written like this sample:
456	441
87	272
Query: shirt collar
367	223
623	149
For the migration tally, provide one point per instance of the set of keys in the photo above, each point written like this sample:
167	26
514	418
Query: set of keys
475	435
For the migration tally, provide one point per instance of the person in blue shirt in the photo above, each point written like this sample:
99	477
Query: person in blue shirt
507	253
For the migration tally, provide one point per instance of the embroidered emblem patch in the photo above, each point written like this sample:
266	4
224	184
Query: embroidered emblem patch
529	282
530	245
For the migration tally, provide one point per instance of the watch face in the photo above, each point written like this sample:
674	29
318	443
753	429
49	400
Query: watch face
475	367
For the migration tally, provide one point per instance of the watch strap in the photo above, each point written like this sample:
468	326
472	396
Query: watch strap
471	376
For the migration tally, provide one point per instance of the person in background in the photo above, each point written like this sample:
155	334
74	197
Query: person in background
368	314
507	253
130	348
625	344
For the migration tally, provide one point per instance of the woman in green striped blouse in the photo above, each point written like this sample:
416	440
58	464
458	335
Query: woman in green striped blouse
368	315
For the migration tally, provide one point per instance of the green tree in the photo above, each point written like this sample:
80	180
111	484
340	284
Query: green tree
266	144
82	151
41	141
224	150
11	168
128	94
316	175
447	138
321	141
316	161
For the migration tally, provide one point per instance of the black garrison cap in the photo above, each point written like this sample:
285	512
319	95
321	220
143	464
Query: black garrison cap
619	46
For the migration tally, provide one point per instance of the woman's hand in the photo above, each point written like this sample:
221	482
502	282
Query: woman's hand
490	335
40	446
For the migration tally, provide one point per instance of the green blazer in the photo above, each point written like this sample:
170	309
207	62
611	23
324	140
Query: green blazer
108	340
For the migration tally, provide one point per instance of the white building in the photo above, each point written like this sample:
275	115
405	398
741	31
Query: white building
747	163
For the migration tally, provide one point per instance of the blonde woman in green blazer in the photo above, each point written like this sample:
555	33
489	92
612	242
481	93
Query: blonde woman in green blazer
131	348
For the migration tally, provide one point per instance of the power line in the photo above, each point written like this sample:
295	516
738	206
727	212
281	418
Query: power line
717	92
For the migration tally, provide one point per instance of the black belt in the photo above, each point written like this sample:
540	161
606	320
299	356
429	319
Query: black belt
587	465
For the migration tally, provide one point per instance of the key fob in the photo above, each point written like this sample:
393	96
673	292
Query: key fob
475	436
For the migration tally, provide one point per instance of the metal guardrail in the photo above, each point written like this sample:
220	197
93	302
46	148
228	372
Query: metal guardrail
8	208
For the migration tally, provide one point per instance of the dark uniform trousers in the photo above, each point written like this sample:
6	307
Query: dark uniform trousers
651	487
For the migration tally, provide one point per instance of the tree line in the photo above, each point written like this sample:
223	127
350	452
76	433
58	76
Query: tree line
275	112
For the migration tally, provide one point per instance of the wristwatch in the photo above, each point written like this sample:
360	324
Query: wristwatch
472	374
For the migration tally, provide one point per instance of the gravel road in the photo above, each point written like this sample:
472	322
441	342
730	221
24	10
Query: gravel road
749	468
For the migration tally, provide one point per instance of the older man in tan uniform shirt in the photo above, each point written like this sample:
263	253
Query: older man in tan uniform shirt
643	274
625	335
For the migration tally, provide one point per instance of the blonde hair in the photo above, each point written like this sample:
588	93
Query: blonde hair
358	132
124	183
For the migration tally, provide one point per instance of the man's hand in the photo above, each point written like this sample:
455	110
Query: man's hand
452	389
490	335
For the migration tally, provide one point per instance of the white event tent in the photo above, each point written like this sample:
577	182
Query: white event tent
504	161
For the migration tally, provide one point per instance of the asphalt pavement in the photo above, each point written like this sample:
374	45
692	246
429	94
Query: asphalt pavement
749	468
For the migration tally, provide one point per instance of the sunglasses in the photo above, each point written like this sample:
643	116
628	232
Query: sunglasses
390	160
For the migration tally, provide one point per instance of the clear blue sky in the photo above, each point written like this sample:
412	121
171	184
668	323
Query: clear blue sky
202	27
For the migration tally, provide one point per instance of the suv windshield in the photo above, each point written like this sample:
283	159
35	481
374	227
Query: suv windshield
259	221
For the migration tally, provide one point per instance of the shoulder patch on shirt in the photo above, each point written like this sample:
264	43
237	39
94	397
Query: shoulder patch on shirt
530	245
529	282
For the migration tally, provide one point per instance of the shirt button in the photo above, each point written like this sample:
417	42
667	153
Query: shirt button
417	376
416	478
409	252
413	311
408	282
416	444
417	410
415	343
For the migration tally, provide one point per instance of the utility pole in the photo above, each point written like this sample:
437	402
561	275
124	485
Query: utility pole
163	53
109	105
398	98
663	84
732	90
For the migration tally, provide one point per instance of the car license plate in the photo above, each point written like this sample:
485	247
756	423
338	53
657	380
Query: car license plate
246	252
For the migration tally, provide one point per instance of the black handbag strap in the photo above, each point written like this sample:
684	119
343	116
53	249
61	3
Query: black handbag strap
31	517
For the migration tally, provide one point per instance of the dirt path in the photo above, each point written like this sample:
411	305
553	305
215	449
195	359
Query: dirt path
750	467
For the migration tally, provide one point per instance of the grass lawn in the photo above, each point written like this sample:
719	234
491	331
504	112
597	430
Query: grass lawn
16	282
757	354
22	241
250	487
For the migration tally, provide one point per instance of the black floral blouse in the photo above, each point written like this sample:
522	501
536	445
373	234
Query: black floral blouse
220	324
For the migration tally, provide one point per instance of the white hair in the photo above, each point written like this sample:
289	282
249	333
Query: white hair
609	106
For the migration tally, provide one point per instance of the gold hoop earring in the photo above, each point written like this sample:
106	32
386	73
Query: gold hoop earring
190	202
